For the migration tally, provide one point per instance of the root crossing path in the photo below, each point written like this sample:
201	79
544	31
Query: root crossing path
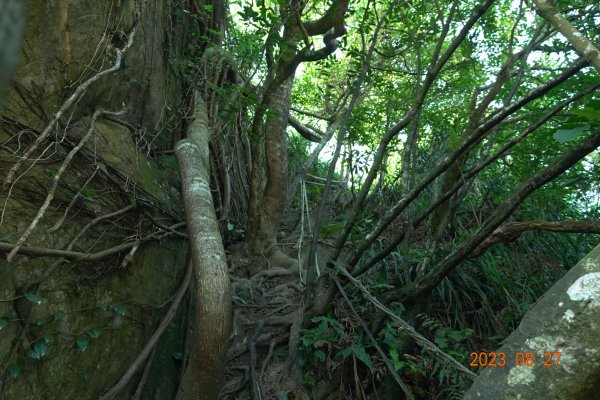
262	362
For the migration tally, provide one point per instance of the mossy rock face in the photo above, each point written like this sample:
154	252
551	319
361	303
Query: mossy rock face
94	317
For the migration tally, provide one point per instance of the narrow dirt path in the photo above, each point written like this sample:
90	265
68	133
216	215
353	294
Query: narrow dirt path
267	306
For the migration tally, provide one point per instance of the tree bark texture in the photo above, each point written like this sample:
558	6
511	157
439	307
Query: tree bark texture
512	231
204	374
584	46
565	322
268	188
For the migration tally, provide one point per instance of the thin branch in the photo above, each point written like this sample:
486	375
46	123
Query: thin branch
467	176
502	212
432	74
164	227
511	231
304	131
80	256
65	106
311	114
97	220
61	220
442	166
385	358
55	181
405	326
584	46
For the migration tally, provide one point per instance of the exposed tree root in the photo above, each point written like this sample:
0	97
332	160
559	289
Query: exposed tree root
256	389
138	392
112	392
55	182
81	256
65	106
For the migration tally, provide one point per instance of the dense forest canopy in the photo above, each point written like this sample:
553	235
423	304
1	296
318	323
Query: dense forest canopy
300	199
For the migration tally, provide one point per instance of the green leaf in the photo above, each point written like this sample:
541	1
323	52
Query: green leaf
177	356
591	114
119	309
320	355
48	338
58	315
38	351
283	395
14	370
346	352
362	355
86	194
395	359
94	333
34	298
40	322
230	226
565	135
82	343
3	323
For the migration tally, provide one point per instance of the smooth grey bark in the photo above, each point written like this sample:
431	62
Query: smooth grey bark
204	374
565	321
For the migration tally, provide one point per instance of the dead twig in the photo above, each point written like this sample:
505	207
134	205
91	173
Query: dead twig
97	220
61	220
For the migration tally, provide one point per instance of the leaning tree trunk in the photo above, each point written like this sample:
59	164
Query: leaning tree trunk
204	374
560	337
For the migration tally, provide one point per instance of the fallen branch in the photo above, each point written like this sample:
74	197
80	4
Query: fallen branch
511	231
112	392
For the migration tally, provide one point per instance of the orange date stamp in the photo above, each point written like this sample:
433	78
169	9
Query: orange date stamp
521	359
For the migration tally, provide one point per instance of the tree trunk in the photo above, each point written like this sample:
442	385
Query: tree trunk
583	46
268	187
204	374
